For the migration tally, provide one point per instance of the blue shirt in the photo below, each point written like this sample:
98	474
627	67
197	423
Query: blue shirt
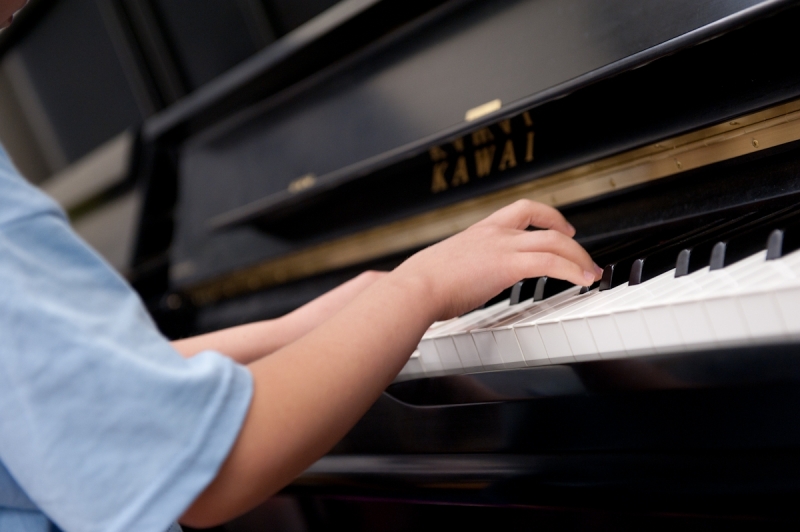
103	425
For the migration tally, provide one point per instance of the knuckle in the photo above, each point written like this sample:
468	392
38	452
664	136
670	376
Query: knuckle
371	275
527	204
552	237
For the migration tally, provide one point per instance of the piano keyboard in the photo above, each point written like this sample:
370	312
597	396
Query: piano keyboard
731	282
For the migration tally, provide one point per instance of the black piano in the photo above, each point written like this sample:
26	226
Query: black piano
668	133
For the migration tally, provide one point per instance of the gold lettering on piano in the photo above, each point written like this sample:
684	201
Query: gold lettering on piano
486	151
483	161
439	182
460	174
529	148
437	154
527	117
481	137
509	159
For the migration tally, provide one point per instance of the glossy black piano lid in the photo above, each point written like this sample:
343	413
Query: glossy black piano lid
364	108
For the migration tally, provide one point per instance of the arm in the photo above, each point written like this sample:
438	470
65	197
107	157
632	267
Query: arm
311	392
247	343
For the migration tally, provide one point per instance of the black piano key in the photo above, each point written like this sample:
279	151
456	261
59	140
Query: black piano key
548	287
683	262
775	244
663	247
698	256
587	289
665	257
502	296
523	291
783	241
616	273
717	259
749	241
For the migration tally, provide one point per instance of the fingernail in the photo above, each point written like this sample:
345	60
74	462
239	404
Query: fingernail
589	276
572	228
598	270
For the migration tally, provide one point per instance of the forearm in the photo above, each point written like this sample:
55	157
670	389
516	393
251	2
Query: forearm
248	343
310	393
245	343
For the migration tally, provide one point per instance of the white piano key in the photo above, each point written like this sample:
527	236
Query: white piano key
727	320
509	348
763	316
488	350
606	336
633	332
789	304
448	354
530	342
662	329
464	322
412	369
467	351
693	323
555	342
580	339
566	307
429	358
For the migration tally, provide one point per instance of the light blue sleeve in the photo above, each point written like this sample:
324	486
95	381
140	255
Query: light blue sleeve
103	425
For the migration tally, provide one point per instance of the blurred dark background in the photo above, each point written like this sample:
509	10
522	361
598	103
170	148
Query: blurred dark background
76	73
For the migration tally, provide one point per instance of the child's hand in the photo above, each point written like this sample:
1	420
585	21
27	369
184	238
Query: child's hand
468	269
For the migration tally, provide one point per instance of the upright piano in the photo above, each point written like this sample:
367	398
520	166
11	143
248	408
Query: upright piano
668	134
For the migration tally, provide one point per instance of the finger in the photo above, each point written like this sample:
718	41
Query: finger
551	241
539	264
526	213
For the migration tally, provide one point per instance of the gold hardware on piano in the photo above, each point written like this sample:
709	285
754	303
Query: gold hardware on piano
757	131
302	183
482	110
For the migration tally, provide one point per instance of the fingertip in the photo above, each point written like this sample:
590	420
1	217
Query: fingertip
588	278
571	229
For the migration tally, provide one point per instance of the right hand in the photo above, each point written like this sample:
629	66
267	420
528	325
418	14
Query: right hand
470	268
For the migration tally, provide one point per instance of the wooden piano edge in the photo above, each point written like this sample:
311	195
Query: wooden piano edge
733	138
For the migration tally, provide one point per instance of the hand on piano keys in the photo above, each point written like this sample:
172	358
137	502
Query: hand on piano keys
499	251
732	281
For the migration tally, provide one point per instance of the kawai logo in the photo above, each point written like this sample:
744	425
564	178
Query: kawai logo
483	153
